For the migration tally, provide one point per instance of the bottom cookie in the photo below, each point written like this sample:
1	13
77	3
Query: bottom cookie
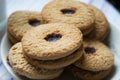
20	65
88	75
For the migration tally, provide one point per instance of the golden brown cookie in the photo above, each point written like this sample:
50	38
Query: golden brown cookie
20	65
21	21
101	26
71	12
96	62
51	41
57	63
88	75
97	56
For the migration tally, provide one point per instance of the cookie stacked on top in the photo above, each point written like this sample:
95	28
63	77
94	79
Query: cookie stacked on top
65	32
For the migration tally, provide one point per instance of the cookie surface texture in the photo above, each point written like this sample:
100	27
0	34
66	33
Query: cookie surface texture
21	21
71	12
97	57
51	41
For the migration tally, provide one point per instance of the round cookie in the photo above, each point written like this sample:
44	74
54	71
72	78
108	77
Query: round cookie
95	64
97	57
51	41
88	75
71	12
20	65
101	26
21	21
57	63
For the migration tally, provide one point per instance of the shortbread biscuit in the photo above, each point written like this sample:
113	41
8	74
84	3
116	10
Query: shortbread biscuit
97	56
71	12
20	65
95	64
51	41
21	21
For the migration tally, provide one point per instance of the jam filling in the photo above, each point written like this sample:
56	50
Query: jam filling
34	22
53	37
72	10
90	50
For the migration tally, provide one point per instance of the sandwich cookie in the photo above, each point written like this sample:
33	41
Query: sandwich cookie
96	62
21	66
20	22
71	12
51	41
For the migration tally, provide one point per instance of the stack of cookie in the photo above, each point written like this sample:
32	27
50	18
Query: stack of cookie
21	66
46	50
65	32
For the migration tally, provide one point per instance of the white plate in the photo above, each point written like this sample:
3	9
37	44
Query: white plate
113	42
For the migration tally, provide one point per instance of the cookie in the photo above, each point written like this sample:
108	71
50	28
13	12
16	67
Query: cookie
21	21
96	60
71	12
88	75
57	63
20	65
97	56
101	26
51	41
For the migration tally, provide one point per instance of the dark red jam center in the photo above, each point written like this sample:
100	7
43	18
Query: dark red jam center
34	22
90	50
53	37
72	10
